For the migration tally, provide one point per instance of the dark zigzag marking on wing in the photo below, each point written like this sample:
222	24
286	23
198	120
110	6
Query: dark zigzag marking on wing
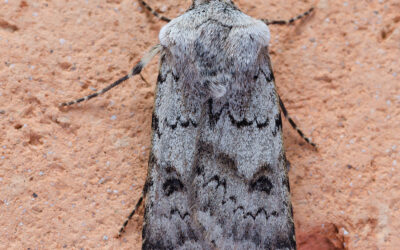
176	211
254	215
239	124
214	118
183	124
156	128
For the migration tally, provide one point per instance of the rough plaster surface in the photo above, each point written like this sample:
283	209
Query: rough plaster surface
69	177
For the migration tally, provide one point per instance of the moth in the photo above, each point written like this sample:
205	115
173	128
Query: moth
217	175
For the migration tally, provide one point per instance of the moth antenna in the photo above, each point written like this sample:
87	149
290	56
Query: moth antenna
122	229
293	124
136	70
155	13
286	22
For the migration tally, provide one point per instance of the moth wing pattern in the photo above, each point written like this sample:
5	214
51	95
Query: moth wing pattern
217	176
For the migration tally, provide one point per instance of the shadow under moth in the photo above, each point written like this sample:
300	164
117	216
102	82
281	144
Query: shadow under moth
217	175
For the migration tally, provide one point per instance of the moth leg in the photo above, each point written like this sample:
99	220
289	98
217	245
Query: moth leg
293	124
136	70
291	20
155	13
122	229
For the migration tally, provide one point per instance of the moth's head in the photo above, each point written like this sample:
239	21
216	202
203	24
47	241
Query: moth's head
198	2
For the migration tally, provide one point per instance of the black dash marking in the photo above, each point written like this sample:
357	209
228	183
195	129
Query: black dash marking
154	124
278	122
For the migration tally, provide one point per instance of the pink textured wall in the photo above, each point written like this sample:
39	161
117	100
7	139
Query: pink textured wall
69	177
